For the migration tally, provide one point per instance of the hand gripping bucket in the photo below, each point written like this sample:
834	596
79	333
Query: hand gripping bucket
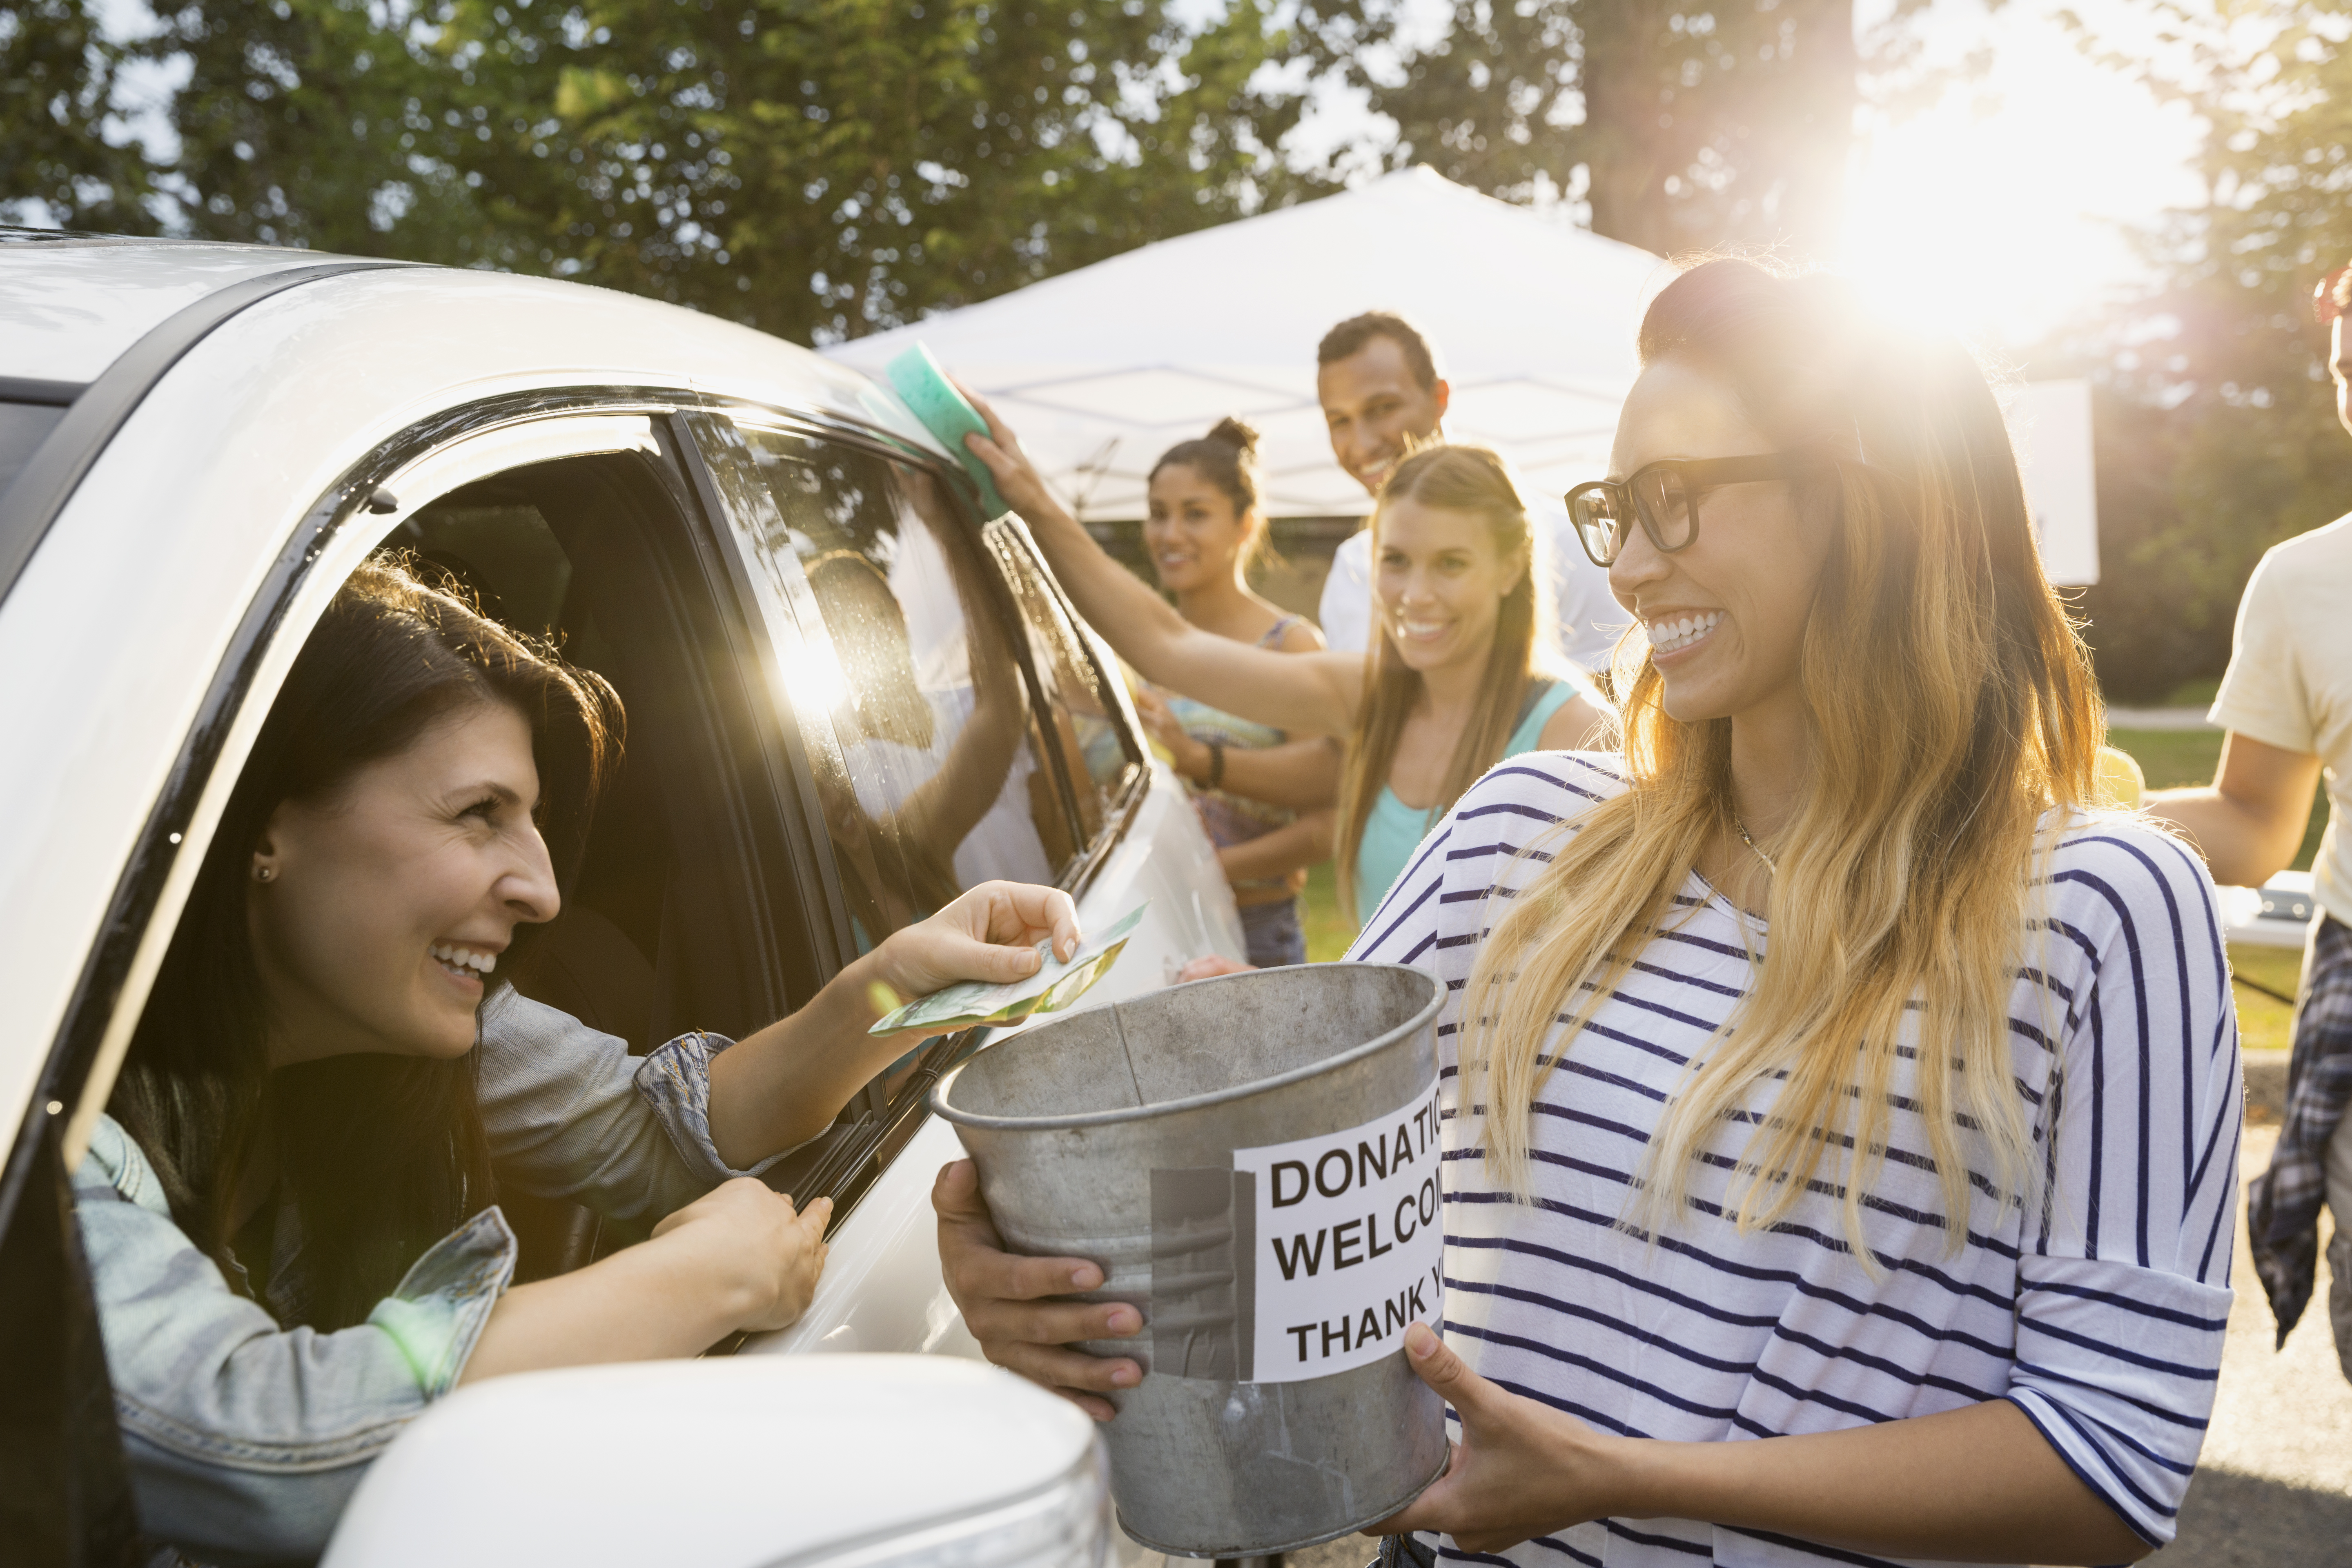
1254	1162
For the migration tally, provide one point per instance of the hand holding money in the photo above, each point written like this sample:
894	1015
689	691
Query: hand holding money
1055	978
991	935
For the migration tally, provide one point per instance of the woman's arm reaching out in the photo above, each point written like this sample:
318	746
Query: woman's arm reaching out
1302	774
739	1256
1977	1484
1314	693
781	1085
1293	846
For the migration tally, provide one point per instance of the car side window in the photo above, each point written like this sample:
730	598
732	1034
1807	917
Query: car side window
1082	712
944	781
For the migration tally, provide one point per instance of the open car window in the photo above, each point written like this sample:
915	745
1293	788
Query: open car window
679	916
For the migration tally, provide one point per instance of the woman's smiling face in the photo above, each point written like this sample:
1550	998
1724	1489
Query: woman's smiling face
1441	583
389	900
1192	532
1724	615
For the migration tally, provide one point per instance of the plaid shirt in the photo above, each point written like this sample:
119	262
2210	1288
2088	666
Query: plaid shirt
2282	1218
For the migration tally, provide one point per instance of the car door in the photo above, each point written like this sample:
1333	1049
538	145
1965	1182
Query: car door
583	522
958	726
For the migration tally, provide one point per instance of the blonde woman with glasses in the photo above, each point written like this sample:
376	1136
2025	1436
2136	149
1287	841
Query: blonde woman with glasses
1842	1114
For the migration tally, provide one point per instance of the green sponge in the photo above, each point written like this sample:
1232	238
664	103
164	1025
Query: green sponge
924	388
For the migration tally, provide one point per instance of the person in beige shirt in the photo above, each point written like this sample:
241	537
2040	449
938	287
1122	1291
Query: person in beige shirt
2286	705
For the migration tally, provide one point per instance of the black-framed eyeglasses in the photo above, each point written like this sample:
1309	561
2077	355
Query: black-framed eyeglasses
1664	499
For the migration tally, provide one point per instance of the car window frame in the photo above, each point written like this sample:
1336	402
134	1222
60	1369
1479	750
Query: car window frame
1086	644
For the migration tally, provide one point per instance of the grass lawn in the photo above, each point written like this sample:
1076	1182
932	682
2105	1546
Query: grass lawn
2169	757
2265	1023
1328	931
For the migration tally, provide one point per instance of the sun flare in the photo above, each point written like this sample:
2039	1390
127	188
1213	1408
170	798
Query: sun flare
2006	207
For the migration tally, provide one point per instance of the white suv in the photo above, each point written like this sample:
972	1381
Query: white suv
197	443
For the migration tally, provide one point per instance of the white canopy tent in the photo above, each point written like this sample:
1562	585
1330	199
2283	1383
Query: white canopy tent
2050	422
1102	369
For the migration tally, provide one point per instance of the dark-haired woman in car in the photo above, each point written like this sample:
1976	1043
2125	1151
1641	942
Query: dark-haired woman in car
290	1209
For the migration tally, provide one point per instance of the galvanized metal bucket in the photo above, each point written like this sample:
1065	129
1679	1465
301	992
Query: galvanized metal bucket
1239	1154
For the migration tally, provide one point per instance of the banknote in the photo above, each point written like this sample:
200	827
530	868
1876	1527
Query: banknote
971	1002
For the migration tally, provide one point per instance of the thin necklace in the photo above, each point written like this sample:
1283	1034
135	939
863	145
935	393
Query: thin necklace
1741	828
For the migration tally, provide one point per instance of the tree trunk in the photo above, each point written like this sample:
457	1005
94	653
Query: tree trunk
1655	98
1821	96
1628	121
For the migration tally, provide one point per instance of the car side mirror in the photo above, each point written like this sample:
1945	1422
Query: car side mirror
832	1462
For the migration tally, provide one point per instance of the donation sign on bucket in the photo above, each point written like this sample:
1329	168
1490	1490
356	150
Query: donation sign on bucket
1253	1161
1348	1248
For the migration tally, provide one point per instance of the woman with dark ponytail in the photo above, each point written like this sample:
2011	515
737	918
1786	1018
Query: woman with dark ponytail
1204	534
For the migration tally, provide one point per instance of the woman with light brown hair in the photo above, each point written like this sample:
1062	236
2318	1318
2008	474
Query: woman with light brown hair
1842	1113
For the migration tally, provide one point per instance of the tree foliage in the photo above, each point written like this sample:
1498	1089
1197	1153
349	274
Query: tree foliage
58	91
2220	437
821	168
1683	126
818	168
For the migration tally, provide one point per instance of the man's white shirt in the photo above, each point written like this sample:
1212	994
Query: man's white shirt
1590	617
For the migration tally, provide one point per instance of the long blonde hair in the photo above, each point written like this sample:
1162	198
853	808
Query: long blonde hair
1476	481
1949	707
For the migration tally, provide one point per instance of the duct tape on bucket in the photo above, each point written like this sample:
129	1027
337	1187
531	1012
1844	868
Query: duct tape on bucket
1253	1161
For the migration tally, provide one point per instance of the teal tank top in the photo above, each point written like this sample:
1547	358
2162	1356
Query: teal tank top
1394	830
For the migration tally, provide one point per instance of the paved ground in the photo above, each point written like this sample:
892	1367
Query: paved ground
2274	1487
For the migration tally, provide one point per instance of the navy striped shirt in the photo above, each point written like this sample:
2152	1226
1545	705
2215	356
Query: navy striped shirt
2102	1321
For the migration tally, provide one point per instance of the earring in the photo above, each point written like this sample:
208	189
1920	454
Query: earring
263	873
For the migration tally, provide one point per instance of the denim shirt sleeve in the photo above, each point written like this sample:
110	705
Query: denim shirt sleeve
570	1114
245	1440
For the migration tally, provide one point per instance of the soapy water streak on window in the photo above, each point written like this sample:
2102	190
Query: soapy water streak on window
1094	746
